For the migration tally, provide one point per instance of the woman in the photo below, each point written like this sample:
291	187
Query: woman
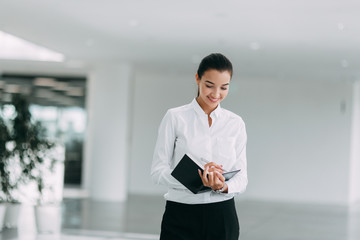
215	136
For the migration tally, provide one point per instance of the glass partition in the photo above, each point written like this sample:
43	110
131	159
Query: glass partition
58	102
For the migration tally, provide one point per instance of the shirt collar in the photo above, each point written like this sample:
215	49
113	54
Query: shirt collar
199	110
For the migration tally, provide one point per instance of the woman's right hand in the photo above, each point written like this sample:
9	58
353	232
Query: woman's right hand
214	167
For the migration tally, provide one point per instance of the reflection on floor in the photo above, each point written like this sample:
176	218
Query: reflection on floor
140	217
78	235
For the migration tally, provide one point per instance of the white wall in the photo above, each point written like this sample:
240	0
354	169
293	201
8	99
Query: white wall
299	138
299	134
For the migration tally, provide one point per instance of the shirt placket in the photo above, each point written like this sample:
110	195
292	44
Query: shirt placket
211	137
208	154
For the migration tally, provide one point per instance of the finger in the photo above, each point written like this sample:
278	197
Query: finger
218	184
210	164
200	173
205	176
216	170
218	167
202	177
213	165
220	177
206	171
211	179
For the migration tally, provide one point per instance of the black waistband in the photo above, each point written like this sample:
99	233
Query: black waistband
206	205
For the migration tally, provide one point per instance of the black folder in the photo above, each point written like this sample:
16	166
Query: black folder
186	172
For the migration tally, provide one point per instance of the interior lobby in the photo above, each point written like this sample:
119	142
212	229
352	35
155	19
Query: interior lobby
100	76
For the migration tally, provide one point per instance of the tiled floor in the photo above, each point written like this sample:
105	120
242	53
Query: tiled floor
139	218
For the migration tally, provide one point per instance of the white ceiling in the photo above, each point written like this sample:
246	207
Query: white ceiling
260	36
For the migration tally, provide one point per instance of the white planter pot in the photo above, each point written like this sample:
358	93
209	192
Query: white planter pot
2	215
12	215
48	218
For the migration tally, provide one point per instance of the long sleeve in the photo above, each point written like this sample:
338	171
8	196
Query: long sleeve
238	183
163	154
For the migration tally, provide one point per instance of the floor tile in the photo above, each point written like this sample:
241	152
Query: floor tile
139	219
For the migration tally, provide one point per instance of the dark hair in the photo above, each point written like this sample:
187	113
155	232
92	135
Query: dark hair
215	61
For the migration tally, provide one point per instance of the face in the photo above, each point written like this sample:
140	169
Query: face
213	88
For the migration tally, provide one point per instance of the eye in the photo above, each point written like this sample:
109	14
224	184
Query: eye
223	88
208	86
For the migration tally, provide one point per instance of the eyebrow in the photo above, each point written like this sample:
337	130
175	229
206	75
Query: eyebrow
207	81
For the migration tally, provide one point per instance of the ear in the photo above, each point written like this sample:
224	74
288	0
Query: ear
197	79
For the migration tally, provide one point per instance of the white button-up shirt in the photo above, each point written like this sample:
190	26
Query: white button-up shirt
185	130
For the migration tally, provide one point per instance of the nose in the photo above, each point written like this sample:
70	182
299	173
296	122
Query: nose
216	93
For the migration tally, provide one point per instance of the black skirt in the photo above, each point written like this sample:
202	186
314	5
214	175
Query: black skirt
200	221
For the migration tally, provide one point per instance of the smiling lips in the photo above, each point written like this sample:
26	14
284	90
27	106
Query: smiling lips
214	100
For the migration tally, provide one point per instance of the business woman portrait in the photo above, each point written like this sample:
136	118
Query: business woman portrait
217	138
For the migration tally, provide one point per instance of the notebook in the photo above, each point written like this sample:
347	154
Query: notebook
186	172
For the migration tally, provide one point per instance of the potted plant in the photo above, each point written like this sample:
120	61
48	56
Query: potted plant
9	180
41	162
4	174
31	154
49	181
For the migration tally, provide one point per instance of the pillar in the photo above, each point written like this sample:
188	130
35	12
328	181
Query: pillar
106	145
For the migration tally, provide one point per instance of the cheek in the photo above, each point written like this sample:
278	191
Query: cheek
204	90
